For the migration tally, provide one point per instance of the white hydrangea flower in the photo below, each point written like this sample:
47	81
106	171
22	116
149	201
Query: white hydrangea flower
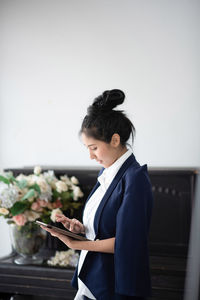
46	196
8	195
50	178
61	186
31	215
66	179
42	184
31	179
4	211
37	170
45	188
77	193
54	213
21	177
74	180
64	258
21	192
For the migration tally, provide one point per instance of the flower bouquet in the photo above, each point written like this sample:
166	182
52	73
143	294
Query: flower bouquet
38	196
27	198
67	258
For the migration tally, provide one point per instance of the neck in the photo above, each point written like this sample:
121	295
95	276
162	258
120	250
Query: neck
121	152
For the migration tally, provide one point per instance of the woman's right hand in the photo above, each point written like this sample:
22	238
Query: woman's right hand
71	224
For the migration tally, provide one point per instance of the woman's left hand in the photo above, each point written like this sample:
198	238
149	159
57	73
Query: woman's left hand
51	231
106	245
71	243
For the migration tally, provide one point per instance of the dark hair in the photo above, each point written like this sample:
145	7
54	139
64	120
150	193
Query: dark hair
101	121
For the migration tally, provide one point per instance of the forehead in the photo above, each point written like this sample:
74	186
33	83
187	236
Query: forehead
90	141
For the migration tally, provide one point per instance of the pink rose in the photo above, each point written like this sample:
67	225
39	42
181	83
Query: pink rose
42	203
20	219
36	206
57	204
50	205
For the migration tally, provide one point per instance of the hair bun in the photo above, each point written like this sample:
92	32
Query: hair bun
109	100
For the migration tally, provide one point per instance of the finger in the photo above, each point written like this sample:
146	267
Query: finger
62	219
76	226
59	215
66	225
45	228
65	222
51	231
79	226
73	224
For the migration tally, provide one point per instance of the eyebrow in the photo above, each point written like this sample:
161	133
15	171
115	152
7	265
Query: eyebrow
91	145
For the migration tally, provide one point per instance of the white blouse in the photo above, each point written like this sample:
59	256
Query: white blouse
91	207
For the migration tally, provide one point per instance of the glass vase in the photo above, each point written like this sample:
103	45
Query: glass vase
27	241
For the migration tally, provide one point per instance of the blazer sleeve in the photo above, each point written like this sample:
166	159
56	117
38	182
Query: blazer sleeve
131	256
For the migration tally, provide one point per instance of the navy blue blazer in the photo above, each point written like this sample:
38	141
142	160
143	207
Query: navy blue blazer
124	213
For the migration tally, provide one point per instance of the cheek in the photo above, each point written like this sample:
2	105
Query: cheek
101	153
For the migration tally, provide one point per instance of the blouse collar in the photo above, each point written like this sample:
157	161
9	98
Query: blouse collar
109	173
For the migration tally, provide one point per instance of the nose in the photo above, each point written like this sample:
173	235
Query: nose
92	156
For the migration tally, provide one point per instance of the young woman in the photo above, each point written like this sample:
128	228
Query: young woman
117	214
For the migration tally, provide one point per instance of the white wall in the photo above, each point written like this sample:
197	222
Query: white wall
57	55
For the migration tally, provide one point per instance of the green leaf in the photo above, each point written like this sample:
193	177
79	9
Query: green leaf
36	187
67	195
10	177
46	219
22	184
18	208
4	179
10	222
29	194
55	194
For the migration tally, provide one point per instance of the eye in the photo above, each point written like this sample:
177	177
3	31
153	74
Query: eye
93	148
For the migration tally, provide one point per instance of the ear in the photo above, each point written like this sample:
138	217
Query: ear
115	141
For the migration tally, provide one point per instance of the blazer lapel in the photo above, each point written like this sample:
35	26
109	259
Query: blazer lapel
130	160
92	191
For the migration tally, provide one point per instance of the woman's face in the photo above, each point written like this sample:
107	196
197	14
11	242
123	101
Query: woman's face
104	153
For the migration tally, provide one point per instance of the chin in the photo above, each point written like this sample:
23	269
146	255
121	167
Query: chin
103	165
106	165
